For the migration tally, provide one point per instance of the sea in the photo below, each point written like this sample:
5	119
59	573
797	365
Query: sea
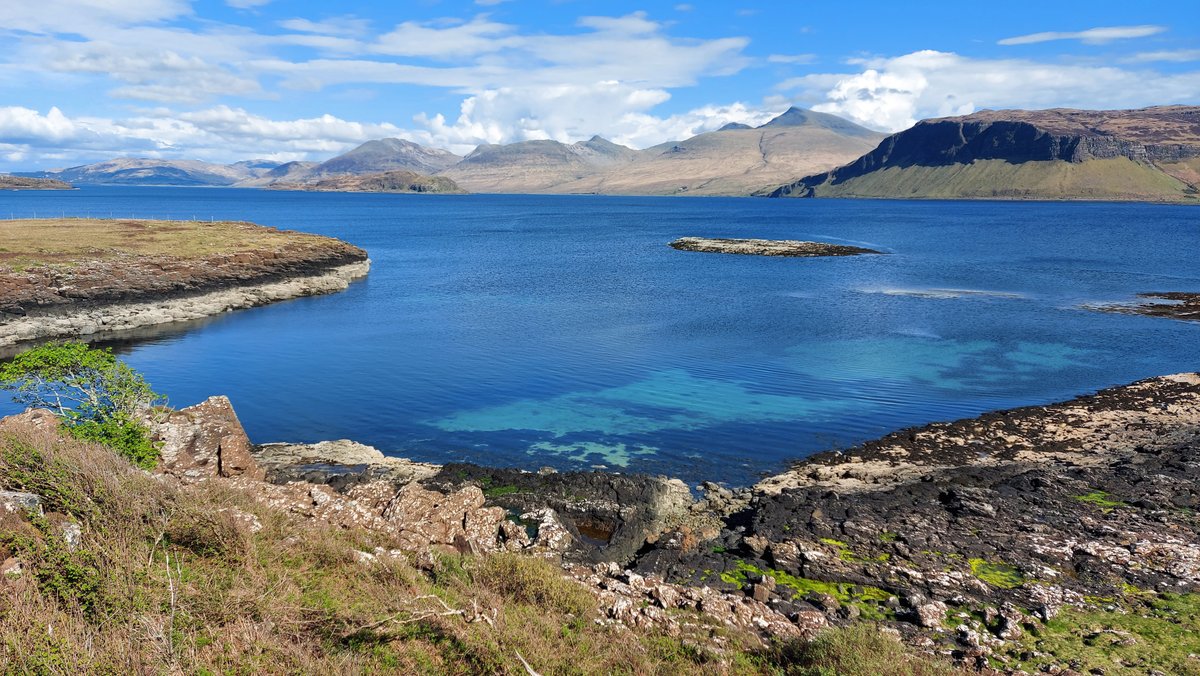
563	331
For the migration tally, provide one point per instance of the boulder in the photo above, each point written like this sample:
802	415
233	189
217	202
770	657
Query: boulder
205	440
12	502
426	518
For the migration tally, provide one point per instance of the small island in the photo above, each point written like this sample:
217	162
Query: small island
768	247
22	183
388	181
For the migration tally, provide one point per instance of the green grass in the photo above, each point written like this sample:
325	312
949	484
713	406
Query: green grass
1151	633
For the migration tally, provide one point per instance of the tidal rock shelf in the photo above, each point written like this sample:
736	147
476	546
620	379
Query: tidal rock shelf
80	277
768	247
1170	304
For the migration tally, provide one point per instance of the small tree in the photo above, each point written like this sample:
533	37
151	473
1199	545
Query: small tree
97	395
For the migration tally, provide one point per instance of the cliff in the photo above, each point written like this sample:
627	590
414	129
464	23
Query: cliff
1145	154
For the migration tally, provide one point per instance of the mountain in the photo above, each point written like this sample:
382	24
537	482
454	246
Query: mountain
141	171
536	166
736	159
390	181
25	183
1145	154
389	154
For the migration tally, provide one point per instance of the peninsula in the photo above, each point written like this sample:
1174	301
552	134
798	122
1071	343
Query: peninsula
70	277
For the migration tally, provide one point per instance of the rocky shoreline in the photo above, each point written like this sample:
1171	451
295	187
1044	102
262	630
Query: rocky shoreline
985	539
94	318
767	247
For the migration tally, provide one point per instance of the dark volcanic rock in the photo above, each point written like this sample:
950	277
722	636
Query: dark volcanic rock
611	516
1177	305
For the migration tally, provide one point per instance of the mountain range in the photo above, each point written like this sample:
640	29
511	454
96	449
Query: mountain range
734	160
1147	154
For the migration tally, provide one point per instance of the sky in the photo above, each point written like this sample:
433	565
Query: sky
283	80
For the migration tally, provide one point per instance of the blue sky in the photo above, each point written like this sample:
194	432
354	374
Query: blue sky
224	80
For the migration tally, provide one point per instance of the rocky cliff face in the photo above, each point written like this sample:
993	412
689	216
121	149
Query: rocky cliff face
1151	137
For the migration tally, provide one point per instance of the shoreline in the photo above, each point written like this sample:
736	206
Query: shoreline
99	318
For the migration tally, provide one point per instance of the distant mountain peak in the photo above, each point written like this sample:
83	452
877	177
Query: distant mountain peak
732	126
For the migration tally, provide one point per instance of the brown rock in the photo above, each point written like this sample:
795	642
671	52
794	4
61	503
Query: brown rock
205	440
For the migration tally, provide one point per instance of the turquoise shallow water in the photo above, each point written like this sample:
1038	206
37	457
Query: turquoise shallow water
532	331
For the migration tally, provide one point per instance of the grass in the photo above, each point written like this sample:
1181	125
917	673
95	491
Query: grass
1100	179
859	650
1147	632
66	241
172	579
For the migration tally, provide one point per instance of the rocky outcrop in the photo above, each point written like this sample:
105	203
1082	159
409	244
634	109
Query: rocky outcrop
340	464
15	502
1169	304
205	440
767	247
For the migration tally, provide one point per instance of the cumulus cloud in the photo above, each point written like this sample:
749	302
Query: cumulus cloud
1093	36
893	93
220	134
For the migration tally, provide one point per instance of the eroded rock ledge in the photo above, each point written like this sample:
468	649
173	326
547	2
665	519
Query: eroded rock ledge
1169	304
80	276
768	247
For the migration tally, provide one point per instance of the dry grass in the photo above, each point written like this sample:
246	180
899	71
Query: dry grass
53	240
176	580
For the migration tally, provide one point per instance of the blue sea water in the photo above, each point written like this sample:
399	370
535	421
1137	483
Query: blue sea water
562	331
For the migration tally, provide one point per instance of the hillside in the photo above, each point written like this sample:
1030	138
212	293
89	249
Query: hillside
142	171
1150	154
389	154
536	166
23	183
736	160
389	181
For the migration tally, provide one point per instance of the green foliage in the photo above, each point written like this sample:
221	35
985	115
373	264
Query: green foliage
869	600
97	395
126	436
73	577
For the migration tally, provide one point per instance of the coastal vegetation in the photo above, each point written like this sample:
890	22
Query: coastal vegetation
97	396
158	576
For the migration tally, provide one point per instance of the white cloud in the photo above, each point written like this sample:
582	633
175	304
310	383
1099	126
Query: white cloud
478	36
246	4
893	93
86	17
220	134
1093	36
1170	55
792	59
